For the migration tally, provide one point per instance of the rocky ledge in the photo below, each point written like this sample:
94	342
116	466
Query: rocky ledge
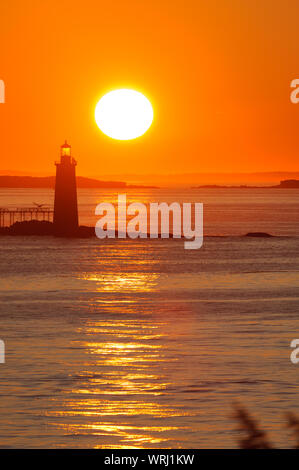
44	228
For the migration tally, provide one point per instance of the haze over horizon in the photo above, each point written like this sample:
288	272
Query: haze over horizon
183	179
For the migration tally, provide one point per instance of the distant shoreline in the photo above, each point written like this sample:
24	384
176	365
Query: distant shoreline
286	184
48	182
32	182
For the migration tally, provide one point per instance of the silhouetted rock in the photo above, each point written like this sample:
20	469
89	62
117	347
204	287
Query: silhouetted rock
258	234
85	232
289	184
44	228
31	227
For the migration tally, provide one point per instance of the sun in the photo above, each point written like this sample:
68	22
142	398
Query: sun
124	114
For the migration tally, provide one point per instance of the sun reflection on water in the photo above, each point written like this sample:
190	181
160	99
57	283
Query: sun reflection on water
114	282
121	380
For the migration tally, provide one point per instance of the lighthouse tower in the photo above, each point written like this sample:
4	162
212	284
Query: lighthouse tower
65	204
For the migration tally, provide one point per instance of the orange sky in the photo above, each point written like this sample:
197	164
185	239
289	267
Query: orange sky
218	74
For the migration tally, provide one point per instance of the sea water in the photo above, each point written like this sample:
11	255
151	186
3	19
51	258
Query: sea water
142	344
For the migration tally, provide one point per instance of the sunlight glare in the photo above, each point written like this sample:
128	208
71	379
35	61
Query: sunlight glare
124	114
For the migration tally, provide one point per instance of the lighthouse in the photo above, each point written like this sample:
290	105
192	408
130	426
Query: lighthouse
65	204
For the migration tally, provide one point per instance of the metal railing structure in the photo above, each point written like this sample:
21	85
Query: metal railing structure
9	216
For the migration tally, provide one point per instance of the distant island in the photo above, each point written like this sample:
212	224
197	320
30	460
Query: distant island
7	181
285	184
